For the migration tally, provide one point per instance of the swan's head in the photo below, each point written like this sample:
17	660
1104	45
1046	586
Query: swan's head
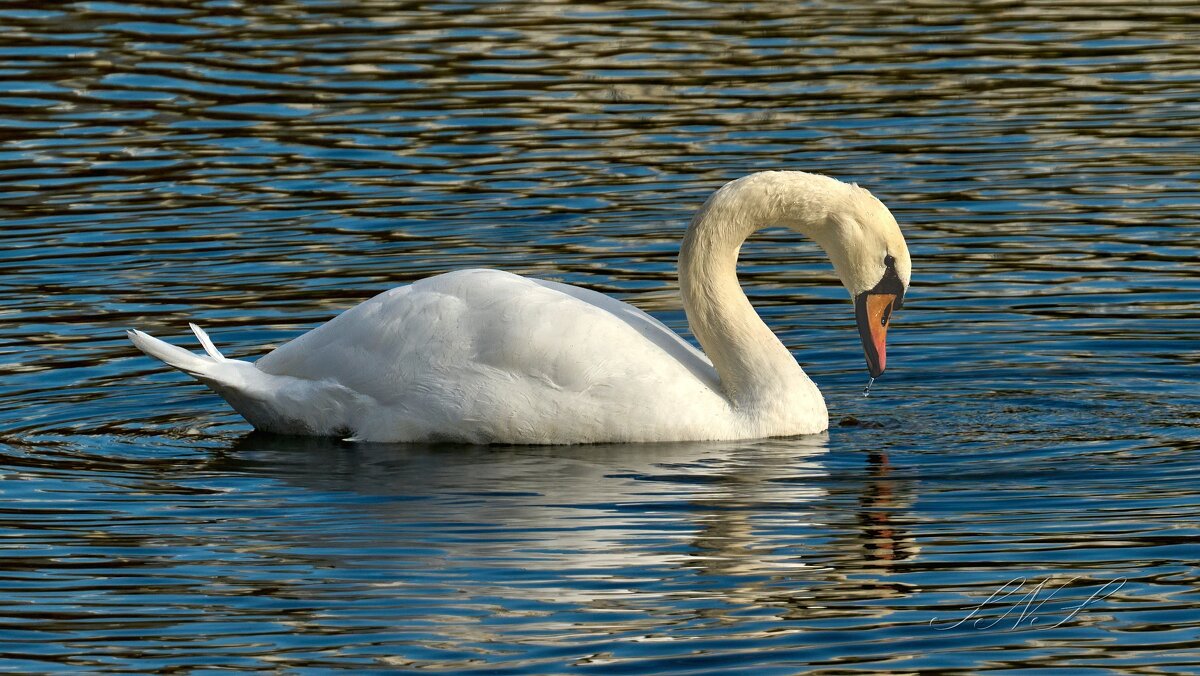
871	258
862	239
854	228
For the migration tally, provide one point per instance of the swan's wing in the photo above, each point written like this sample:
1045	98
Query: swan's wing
653	330
463	332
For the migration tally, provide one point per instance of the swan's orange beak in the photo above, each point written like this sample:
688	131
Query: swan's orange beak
874	311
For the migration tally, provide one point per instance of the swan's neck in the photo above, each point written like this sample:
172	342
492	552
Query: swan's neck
754	366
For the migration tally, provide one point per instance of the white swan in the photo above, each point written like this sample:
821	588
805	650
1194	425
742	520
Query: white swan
483	356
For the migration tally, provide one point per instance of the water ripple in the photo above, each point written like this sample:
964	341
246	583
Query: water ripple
257	167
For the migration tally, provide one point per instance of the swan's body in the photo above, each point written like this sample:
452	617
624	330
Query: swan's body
484	356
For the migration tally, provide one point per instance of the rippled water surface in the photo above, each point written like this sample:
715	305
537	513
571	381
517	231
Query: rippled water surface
257	167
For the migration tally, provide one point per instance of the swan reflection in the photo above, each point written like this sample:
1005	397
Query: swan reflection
764	524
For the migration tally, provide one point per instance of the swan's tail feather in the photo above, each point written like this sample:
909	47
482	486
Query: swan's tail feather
172	355
275	403
207	343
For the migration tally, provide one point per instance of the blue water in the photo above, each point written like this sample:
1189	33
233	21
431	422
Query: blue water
1020	490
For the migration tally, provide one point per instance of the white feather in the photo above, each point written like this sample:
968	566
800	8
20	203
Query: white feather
207	343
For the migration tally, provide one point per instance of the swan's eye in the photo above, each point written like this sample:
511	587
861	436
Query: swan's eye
889	260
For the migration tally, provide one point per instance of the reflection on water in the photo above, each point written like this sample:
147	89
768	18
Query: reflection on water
257	167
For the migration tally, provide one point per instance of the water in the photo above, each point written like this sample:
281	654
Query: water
256	167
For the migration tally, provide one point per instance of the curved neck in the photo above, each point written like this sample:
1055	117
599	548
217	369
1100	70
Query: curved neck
754	366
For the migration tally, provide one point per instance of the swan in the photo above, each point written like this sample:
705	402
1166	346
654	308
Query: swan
485	356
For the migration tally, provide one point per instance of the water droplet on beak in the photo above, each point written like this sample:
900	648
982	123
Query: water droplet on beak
867	389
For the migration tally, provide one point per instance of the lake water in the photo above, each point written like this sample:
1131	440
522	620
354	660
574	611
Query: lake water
257	167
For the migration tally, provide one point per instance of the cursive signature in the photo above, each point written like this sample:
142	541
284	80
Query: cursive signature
1031	602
